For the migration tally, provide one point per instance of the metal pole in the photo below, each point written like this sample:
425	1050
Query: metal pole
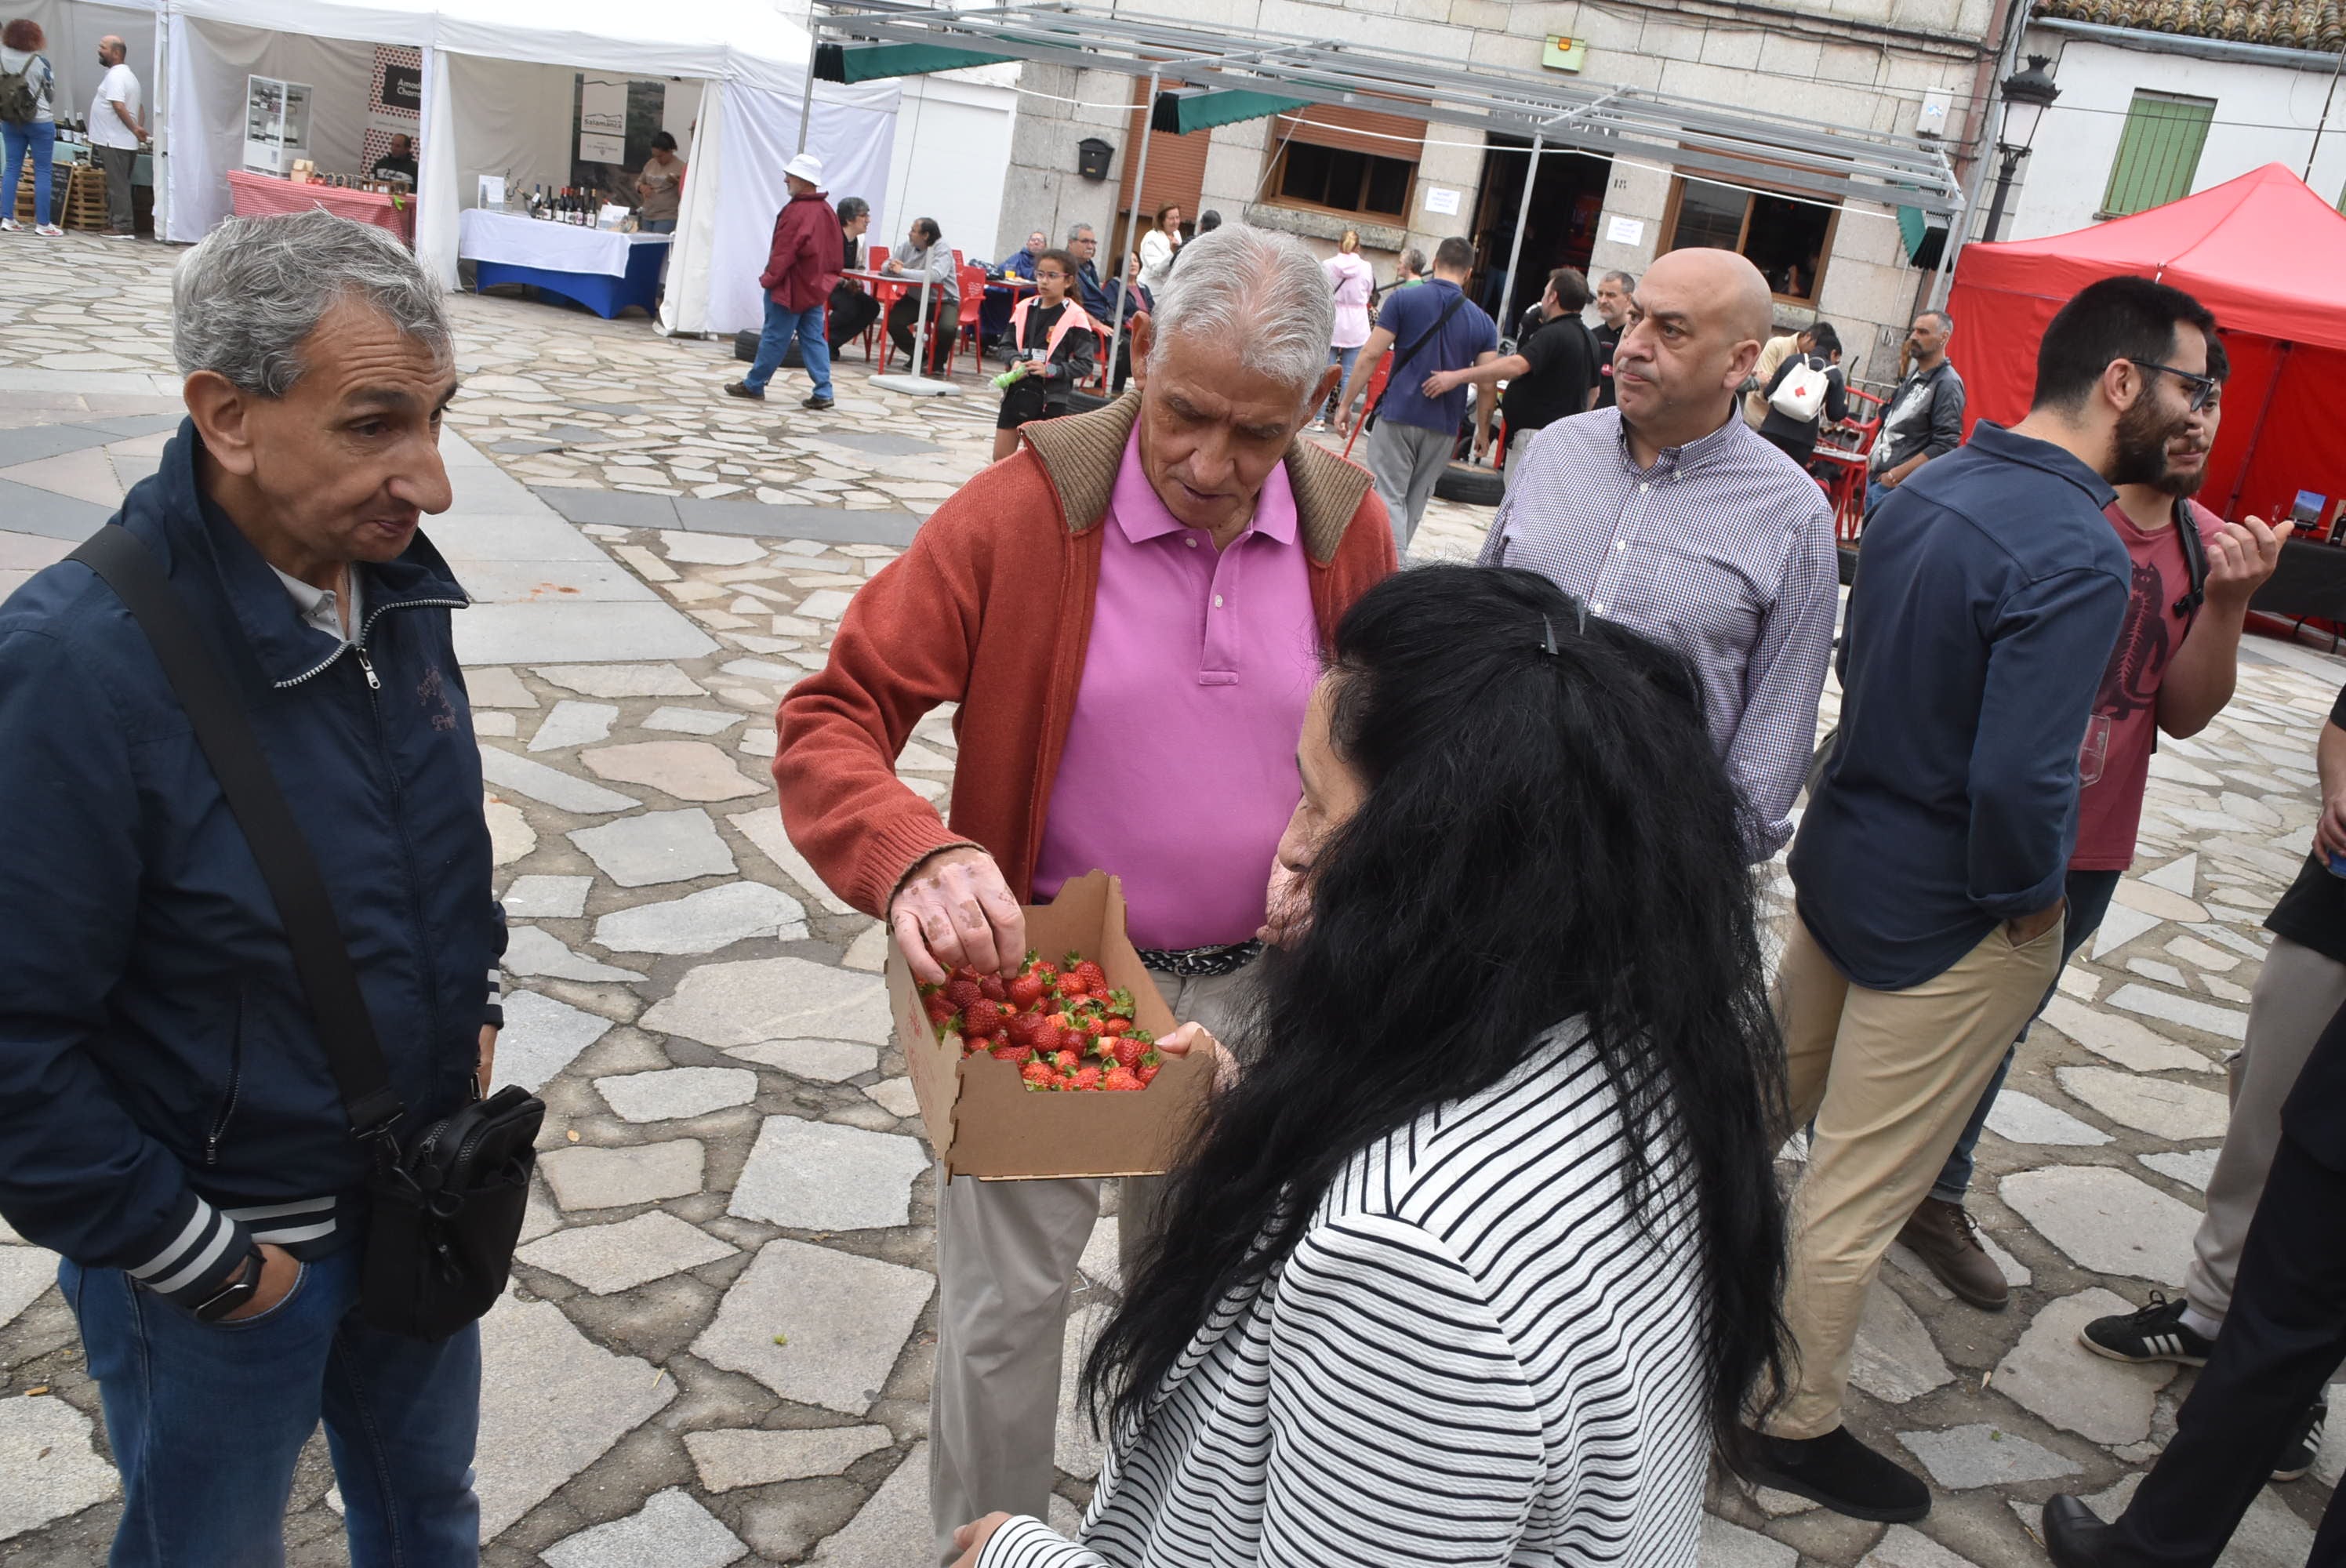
806	99
1515	251
1131	229
2003	189
1945	279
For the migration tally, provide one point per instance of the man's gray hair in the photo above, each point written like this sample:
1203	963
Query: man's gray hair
1411	261
1627	283
1258	291
244	298
1076	231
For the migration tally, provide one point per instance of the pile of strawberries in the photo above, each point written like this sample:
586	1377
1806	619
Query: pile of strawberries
1060	1022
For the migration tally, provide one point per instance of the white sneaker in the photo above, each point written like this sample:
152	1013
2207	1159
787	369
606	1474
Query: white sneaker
10	225
49	231
120	234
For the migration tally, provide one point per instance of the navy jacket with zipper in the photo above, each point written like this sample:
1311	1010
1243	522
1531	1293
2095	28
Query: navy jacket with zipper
159	1072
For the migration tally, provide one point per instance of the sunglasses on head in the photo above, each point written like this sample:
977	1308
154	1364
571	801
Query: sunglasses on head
2202	387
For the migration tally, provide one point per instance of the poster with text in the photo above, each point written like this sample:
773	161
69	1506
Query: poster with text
603	120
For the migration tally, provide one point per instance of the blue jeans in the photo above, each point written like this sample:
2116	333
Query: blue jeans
659	226
207	1419
814	349
1876	492
37	139
1344	357
2089	893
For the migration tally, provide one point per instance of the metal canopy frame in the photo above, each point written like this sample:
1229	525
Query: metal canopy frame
1810	157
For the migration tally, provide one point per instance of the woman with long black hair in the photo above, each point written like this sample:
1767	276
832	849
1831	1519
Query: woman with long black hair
1478	1261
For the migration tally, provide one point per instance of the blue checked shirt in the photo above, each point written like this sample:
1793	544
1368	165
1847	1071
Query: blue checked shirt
1722	550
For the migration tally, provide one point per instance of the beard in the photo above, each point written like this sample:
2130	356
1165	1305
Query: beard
2184	481
2142	436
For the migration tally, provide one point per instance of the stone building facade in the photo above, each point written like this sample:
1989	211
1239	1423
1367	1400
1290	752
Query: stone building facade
1881	65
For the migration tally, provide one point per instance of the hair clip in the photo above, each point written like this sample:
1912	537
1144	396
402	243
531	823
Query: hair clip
1548	634
1580	608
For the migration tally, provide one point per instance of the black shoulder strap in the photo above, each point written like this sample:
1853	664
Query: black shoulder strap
2195	564
225	732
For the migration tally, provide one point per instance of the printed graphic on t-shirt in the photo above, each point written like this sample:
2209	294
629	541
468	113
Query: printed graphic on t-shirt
2138	660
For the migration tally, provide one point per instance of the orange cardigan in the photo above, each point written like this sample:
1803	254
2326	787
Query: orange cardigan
991	608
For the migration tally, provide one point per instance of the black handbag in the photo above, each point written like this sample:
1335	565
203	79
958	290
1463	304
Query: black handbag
447	1207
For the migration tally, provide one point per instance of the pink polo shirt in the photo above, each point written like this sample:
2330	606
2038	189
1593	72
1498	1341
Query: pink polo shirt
1179	770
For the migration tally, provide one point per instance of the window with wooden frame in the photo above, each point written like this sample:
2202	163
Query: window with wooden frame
1790	239
2158	152
1356	162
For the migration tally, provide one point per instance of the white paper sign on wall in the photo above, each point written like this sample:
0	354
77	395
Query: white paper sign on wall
1626	231
1442	198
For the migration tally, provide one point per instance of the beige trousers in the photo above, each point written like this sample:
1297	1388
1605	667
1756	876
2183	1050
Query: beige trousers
2297	994
1889	1078
1006	1254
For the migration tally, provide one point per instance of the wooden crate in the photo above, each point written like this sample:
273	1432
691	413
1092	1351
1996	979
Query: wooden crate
76	197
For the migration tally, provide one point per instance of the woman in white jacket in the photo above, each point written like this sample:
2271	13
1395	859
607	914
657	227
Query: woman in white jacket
1157	248
1352	281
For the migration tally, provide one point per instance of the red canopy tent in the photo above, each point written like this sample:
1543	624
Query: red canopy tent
2264	253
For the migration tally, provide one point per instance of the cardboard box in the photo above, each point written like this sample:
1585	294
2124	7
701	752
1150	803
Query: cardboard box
982	1120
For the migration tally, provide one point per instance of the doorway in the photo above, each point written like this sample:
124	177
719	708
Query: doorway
1560	228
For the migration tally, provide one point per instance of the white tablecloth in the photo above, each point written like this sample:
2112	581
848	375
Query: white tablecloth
484	234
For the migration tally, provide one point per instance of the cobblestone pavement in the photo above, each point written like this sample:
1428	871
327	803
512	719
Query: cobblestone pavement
719	1342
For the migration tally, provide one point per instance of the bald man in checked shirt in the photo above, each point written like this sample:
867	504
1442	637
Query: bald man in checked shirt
1671	515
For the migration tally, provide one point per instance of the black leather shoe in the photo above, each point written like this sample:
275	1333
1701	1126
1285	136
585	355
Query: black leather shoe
1844	1474
2074	1538
817	403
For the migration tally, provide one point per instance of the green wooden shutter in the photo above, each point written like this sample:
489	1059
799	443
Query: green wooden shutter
2158	153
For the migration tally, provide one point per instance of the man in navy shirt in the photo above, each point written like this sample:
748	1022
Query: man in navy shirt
1099	299
1438	329
1928	869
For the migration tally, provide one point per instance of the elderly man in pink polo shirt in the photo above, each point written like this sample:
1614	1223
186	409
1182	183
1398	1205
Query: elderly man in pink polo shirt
1129	610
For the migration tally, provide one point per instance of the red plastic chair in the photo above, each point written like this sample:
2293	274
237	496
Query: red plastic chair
972	304
875	258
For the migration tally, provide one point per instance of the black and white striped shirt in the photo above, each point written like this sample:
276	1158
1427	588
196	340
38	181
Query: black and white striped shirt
1475	1354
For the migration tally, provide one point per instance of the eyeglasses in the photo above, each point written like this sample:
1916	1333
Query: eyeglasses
2202	387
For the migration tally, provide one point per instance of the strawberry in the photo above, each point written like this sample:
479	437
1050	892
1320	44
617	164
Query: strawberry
1043	971
1026	1029
981	1019
1114	1025
1013	1052
1084	1078
992	988
1122	1080
1066	1061
1025	990
1072	990
1093	977
1039	1074
940	1011
1120	1003
960	993
1147	1073
1127	1052
1074	1041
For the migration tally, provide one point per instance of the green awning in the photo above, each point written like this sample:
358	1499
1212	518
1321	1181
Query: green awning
871	61
1925	240
1180	110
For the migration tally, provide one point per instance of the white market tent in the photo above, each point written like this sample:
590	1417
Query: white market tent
497	85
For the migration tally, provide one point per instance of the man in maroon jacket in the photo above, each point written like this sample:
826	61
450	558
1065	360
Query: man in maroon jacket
800	271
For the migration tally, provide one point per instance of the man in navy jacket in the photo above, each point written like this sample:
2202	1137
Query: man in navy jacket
168	1121
1928	869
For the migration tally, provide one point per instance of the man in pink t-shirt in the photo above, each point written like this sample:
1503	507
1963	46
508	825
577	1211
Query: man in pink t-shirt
2177	659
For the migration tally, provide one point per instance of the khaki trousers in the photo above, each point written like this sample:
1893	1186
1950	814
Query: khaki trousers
1006	1254
2297	994
1888	1077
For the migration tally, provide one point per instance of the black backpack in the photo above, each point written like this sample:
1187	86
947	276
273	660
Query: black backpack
20	101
